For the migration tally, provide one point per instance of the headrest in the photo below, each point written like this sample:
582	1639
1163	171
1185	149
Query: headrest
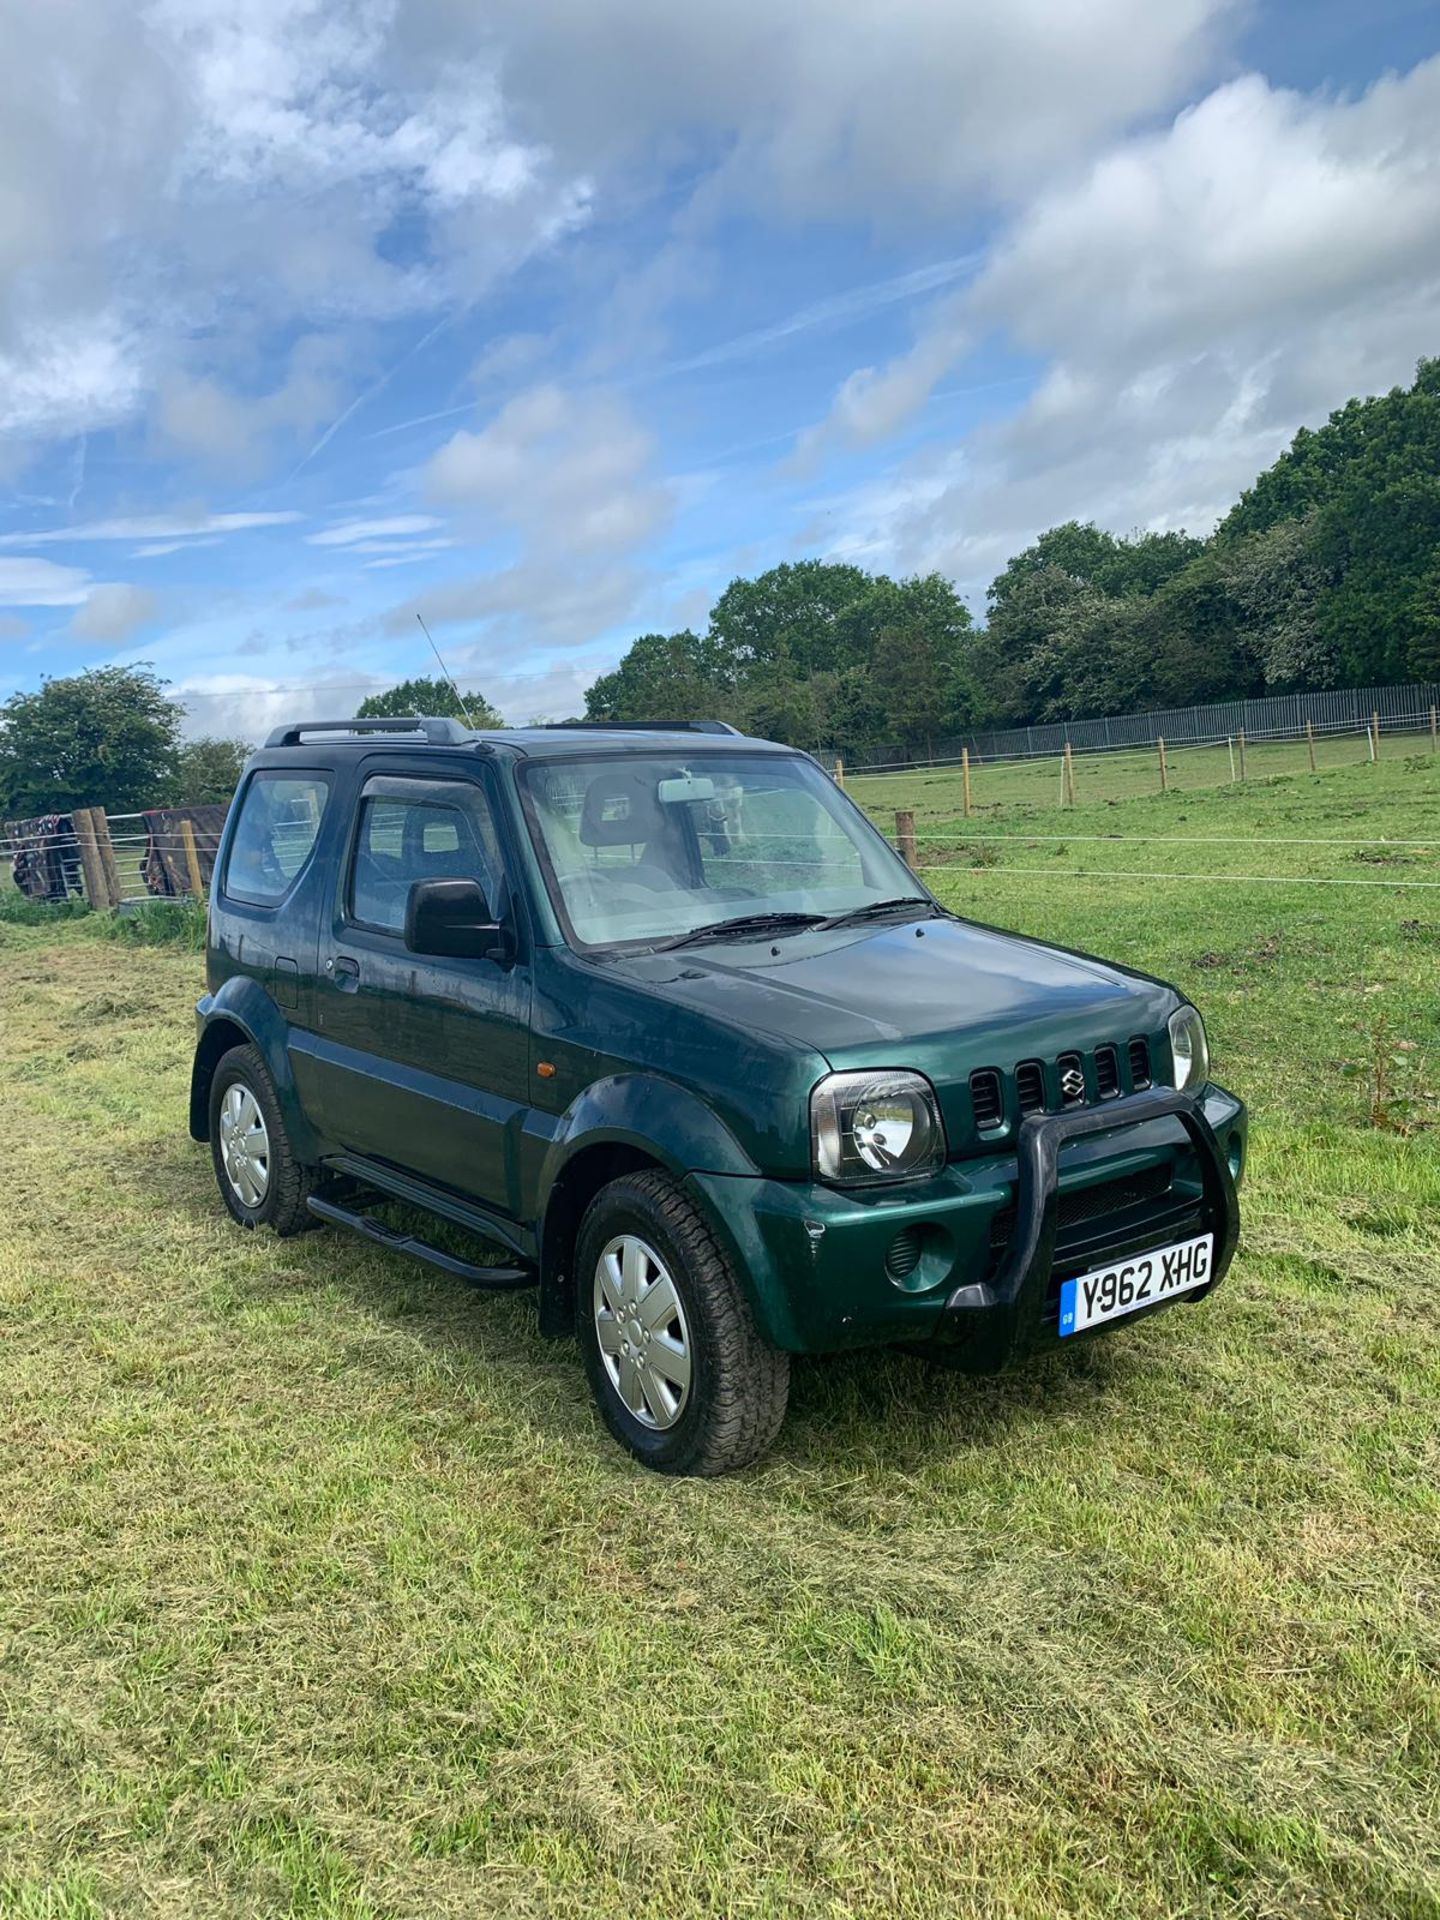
621	810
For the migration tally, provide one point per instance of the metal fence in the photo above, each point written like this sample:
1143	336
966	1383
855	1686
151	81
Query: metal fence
1274	717
113	859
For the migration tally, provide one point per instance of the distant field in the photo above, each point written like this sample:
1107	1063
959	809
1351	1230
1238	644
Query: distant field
1119	776
325	1595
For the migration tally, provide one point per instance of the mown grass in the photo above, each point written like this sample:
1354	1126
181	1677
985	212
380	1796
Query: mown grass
324	1594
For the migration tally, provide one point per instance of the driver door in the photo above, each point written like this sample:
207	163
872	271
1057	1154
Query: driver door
424	1059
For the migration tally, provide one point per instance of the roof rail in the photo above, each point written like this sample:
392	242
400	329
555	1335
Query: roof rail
645	726
438	733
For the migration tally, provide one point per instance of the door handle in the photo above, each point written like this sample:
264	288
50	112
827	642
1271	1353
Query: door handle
345	972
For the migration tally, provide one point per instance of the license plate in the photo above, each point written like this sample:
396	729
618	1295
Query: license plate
1109	1292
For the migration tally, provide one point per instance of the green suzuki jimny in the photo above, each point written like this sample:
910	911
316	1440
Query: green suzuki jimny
661	1013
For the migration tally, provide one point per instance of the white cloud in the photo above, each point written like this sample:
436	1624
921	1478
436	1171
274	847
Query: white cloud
64	376
524	608
570	471
349	532
160	548
236	431
247	706
837	106
1192	297
183	180
41	583
569	475
151	526
114	612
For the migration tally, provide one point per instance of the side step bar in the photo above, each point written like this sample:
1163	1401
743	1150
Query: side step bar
495	1279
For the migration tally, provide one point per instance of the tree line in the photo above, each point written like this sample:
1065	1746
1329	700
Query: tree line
1326	572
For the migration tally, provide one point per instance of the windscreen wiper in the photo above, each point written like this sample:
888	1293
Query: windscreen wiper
750	923
874	908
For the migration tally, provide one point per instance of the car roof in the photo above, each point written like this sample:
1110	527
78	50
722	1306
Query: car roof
301	738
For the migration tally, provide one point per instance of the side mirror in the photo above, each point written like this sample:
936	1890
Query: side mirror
453	918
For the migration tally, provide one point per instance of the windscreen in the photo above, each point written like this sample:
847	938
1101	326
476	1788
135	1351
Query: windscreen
643	849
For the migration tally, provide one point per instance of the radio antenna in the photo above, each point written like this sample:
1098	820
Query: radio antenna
447	673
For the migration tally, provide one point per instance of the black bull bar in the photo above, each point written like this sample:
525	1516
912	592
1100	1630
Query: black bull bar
1000	1318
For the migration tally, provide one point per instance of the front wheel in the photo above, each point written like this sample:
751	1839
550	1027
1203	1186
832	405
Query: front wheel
675	1362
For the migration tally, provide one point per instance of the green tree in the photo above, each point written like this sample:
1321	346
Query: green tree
666	676
1279	580
1369	482
108	737
207	771
1091	557
431	697
797	618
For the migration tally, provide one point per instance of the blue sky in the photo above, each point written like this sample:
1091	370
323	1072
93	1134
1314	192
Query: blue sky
546	319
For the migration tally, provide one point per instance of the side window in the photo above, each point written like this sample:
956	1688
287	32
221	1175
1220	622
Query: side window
280	817
412	830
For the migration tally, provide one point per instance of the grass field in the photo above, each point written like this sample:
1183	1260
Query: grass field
323	1593
1123	775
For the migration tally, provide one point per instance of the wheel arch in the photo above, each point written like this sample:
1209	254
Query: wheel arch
221	1036
583	1175
243	1014
627	1123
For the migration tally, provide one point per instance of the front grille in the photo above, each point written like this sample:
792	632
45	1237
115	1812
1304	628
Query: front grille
1090	1203
987	1098
1030	1085
1074	1081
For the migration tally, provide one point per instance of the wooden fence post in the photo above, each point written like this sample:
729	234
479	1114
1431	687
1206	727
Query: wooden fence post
840	773
1310	743
965	764
1370	733
1164	770
1242	752
905	836
192	859
1230	743
1375	742
96	890
105	846
1432	729
1069	774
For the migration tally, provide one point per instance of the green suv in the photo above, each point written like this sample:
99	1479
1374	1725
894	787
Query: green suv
660	1012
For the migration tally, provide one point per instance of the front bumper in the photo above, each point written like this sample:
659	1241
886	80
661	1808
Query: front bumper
974	1258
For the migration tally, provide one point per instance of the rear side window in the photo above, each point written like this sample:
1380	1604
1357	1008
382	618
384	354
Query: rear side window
413	830
279	819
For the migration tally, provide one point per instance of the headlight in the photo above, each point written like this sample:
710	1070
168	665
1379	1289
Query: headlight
875	1126
1189	1048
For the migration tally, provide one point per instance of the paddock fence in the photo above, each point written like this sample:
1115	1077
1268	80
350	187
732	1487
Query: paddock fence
1288	716
114	860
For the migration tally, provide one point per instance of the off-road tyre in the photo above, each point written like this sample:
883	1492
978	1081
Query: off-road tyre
282	1207
738	1384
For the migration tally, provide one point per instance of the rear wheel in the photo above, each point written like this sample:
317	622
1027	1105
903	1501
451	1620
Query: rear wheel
677	1366
260	1180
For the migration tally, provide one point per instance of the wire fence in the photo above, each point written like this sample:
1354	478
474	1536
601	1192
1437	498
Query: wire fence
1409	709
1096	774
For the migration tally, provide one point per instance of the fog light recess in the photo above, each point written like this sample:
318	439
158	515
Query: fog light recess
918	1258
1235	1154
